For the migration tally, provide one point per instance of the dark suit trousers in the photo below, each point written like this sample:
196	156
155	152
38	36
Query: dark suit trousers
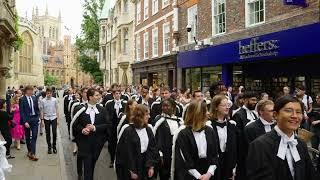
53	124
32	141
89	162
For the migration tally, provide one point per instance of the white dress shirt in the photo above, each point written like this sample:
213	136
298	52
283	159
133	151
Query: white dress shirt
267	125
173	125
31	105
288	149
144	139
223	135
49	108
92	111
201	141
117	106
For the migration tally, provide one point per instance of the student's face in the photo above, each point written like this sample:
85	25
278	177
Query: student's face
318	99
144	93
29	92
84	94
95	98
117	95
166	108
166	94
198	96
289	117
267	112
223	107
251	103
265	97
19	93
286	90
77	96
49	94
146	117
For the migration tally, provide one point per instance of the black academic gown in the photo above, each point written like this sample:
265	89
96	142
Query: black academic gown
129	156
241	119
227	159
164	144
264	164
186	144
115	118
107	98
254	130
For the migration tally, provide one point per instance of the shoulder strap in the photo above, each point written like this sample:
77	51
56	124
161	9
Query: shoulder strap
174	139
74	119
121	131
72	108
120	123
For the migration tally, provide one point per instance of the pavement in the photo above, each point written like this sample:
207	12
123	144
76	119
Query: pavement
60	166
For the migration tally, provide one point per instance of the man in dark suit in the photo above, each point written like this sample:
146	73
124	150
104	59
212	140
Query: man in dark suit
29	112
66	100
91	130
242	117
114	108
265	123
109	95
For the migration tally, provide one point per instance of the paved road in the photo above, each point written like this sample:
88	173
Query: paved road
102	171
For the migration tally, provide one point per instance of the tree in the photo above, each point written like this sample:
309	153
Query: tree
50	80
88	41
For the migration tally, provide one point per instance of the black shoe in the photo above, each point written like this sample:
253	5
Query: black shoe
41	134
79	177
55	150
49	151
22	142
10	157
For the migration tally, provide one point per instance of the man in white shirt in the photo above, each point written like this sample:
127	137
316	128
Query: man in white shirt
307	101
49	118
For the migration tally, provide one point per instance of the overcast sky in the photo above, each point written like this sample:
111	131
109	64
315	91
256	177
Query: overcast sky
71	12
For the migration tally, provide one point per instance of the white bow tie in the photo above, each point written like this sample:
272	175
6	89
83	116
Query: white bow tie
288	144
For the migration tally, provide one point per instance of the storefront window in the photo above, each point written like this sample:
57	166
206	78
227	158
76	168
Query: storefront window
209	76
193	78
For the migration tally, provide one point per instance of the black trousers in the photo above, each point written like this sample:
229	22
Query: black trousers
7	137
89	163
48	125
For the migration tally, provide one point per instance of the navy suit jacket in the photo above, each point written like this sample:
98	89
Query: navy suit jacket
25	111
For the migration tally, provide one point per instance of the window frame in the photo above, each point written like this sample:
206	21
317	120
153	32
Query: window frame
138	48
155	51
216	16
155	9
146	45
145	9
138	12
165	5
248	13
194	26
164	26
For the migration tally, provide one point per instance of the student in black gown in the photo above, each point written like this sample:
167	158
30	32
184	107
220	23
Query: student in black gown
124	117
72	104
164	130
279	154
265	123
227	138
195	146
136	154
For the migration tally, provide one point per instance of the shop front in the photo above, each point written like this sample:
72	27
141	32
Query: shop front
260	63
155	72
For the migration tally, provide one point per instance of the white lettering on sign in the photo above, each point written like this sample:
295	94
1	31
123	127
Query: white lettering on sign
258	49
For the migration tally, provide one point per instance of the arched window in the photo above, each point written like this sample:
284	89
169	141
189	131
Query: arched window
26	53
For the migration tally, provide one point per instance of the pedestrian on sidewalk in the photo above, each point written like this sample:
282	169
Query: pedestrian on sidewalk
91	130
5	128
17	132
43	95
29	112
49	119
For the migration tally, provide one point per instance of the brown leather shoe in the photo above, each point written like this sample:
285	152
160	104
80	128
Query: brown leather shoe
33	158
29	155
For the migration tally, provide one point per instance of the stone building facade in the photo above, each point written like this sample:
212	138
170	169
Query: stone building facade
7	38
27	64
116	42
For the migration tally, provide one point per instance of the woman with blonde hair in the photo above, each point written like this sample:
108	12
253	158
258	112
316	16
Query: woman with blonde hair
195	146
225	130
136	153
17	132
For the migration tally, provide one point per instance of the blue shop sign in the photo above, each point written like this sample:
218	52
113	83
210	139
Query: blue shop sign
302	3
294	42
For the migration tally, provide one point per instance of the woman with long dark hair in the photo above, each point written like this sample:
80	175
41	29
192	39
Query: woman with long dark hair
136	154
279	154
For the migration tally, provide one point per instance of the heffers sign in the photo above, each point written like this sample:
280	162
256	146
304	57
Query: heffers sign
258	48
302	3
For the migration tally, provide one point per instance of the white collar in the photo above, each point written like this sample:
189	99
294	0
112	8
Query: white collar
284	143
266	123
165	115
94	107
250	113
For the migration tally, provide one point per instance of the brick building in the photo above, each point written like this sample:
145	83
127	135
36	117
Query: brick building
155	55
262	44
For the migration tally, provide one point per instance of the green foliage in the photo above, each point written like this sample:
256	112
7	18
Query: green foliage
88	41
50	80
90	65
18	42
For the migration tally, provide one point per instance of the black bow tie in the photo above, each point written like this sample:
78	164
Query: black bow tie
220	124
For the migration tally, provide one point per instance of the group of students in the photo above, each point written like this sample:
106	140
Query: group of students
150	137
